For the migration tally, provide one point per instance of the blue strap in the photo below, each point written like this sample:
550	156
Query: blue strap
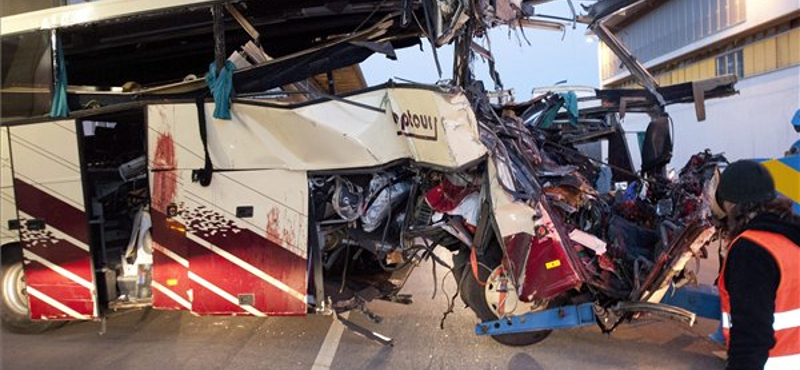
58	106
550	115
571	103
221	88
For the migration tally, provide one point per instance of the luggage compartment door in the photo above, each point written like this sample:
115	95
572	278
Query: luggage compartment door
235	247
53	224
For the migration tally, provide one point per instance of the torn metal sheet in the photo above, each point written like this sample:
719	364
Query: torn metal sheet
630	61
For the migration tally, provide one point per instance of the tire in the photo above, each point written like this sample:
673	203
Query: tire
15	314
474	295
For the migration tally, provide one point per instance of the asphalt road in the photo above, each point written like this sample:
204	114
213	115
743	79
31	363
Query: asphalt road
178	340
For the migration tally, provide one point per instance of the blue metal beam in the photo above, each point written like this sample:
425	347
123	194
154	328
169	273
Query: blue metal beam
554	318
703	300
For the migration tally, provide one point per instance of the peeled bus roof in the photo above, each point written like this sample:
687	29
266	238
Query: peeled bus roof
85	13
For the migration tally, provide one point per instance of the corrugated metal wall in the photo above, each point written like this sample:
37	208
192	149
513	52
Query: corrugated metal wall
672	26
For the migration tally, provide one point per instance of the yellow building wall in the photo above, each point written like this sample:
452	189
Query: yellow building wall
782	51
775	52
709	67
759	63
794	46
678	76
749	60
770	54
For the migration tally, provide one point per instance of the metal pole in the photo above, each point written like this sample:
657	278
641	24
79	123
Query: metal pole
219	35
629	60
54	61
461	59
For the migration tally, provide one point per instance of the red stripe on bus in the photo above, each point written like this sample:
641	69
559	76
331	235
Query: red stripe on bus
58	287
64	217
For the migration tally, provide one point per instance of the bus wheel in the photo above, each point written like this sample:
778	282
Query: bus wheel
15	314
495	296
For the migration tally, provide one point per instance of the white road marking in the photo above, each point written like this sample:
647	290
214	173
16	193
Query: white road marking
248	267
58	269
60	306
329	345
227	296
174	296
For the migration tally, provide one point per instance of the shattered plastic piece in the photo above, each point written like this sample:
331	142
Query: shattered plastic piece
568	194
630	191
630	240
469	209
504	175
665	207
555	170
239	60
643	191
605	263
504	10
589	241
603	182
446	196
389	196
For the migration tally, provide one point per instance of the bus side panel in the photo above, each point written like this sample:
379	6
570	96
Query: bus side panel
170	272
49	194
244	243
247	245
9	231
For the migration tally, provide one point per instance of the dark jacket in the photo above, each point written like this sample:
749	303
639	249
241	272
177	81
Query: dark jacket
752	278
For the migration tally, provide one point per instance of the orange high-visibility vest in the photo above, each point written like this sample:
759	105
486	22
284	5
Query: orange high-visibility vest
785	355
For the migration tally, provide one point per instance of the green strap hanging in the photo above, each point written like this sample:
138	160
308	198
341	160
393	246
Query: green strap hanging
58	106
571	104
221	88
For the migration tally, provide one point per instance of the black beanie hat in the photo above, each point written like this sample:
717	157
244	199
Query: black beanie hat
745	181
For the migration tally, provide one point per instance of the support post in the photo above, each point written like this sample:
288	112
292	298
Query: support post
462	58
629	60
219	35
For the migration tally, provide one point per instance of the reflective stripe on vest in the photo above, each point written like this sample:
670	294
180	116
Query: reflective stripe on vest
782	320
791	362
787	320
785	355
726	320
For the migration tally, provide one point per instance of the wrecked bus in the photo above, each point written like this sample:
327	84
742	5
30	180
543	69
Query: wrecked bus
296	196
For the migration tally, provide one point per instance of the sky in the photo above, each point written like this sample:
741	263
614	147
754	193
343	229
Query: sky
547	60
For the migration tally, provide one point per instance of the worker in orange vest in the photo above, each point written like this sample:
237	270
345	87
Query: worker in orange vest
759	284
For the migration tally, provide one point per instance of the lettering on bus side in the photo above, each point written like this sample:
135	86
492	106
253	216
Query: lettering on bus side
418	126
